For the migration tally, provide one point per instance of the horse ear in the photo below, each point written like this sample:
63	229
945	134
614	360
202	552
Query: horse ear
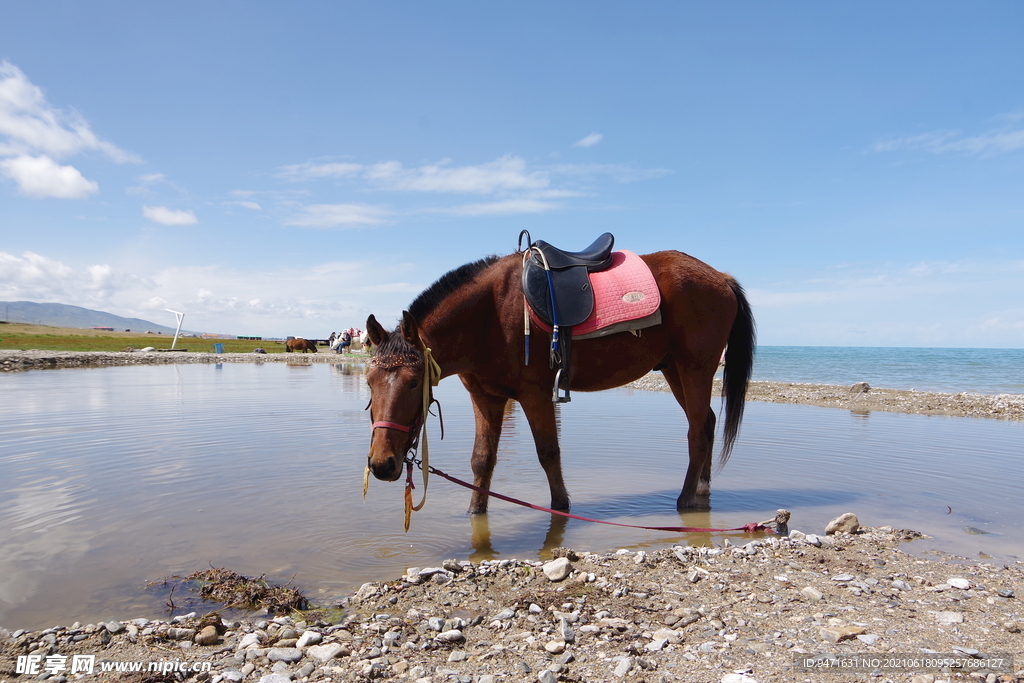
375	330
410	330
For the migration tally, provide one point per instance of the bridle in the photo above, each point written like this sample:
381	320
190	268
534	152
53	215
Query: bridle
431	376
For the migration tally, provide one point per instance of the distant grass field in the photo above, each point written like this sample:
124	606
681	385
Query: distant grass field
21	336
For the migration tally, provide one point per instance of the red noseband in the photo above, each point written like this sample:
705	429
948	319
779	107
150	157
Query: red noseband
392	425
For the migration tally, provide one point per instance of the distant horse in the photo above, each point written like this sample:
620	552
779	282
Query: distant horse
299	344
472	320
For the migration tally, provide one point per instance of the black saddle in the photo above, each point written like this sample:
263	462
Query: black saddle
572	300
556	284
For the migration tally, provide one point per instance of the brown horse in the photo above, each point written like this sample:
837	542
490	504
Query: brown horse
299	344
472	320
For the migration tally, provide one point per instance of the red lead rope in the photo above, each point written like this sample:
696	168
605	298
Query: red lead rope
748	528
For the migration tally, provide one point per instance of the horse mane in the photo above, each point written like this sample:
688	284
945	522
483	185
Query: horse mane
448	284
395	347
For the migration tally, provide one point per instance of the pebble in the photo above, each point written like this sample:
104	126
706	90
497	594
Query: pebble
624	666
275	678
962	584
557	570
738	678
325	653
811	593
309	637
284	654
453	636
547	676
208	636
555	646
846	523
949	618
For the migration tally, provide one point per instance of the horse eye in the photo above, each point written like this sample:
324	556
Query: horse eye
415	383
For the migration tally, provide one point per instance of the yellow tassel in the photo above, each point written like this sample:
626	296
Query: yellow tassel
366	481
408	507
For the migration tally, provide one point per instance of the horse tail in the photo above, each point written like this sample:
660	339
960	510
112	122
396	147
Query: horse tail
739	363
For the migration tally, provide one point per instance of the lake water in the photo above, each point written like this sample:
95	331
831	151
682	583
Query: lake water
983	371
114	477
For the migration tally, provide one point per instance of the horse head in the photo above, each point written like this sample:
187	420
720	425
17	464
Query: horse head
396	379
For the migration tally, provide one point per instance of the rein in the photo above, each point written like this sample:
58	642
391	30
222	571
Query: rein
750	528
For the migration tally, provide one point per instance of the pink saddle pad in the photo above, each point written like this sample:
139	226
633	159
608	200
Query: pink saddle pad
625	291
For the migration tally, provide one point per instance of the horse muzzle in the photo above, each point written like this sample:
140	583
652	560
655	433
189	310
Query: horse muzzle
387	469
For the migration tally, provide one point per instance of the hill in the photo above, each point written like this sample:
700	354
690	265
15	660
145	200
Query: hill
63	315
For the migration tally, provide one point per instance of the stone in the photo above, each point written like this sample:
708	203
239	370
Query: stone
962	584
457	656
656	645
557	570
284	654
901	585
949	618
811	593
305	670
275	678
114	626
232	676
453	636
367	590
325	653
248	639
564	630
624	666
813	540
181	633
837	634
868	638
738	678
555	647
208	636
842	578
309	637
547	676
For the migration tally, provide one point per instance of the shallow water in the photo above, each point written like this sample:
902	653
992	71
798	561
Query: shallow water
114	477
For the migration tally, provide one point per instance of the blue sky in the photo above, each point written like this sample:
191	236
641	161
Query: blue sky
289	168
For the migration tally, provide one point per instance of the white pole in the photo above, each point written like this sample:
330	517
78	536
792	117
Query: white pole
180	316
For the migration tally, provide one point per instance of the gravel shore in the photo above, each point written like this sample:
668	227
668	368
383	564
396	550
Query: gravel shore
748	611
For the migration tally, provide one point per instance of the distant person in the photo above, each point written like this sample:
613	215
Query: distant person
345	342
330	340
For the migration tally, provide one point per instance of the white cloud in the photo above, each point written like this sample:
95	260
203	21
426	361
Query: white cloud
43	177
245	204
619	173
165	216
507	173
501	208
37	278
339	215
999	141
30	125
589	141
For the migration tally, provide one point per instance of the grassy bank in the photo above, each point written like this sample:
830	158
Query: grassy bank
21	336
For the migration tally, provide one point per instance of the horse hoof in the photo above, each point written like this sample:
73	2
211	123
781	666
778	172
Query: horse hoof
699	504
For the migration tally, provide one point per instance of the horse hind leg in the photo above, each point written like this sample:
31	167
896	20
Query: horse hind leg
695	400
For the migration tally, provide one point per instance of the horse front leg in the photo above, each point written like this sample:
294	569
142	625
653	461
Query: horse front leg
488	411
540	412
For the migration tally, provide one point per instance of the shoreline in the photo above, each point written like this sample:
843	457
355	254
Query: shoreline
748	611
856	398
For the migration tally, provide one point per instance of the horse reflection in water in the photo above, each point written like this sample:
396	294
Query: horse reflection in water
471	320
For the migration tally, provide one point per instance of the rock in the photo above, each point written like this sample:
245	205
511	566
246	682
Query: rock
738	678
325	653
858	388
813	540
365	591
555	647
557	570
457	656
275	678
901	585
208	636
962	584
181	633
309	637
656	645
811	593
846	523
305	670
232	676
868	639
547	676
842	578
114	626
453	636
247	640
564	630
284	654
949	618
624	666
837	634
